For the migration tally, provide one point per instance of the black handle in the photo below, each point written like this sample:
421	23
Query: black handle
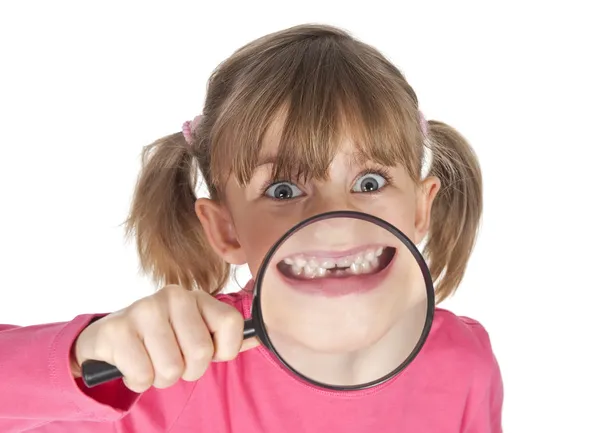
249	329
95	373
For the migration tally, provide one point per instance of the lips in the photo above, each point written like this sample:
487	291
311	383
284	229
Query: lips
321	265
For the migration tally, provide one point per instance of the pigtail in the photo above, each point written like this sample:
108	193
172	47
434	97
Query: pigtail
171	243
456	210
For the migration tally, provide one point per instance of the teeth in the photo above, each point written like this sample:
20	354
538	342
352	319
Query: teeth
297	270
345	262
309	272
328	264
321	272
312	267
366	267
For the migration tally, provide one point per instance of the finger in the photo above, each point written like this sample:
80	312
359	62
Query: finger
195	341
249	343
225	324
161	345
131	358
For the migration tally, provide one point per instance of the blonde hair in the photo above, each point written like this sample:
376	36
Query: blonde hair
328	84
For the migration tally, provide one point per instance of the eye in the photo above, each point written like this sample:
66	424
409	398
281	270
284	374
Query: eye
283	191
369	182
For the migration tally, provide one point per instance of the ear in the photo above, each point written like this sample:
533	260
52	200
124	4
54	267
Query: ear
220	231
425	195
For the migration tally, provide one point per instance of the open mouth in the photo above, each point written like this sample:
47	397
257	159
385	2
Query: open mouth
328	265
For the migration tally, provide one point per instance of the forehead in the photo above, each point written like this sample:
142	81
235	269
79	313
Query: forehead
301	143
293	153
271	151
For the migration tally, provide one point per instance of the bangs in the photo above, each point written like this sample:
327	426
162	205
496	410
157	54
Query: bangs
317	93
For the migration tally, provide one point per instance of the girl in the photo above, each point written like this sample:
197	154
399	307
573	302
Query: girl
293	125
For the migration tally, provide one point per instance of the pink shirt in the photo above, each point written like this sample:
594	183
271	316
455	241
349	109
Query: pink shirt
453	385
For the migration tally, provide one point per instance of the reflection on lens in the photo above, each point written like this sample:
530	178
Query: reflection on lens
344	301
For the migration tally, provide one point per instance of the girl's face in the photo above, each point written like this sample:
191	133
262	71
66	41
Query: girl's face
252	218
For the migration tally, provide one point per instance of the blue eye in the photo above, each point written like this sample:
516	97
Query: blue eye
283	191
369	182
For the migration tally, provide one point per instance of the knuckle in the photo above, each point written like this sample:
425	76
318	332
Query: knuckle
173	290
197	361
112	325
168	374
201	296
112	330
201	354
138	383
144	380
146	309
195	372
178	296
138	376
231	320
228	352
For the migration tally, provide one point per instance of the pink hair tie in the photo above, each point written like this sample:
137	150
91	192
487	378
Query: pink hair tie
188	128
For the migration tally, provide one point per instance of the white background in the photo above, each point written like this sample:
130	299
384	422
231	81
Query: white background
83	86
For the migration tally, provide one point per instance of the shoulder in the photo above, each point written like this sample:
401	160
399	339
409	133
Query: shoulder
462	348
463	340
462	351
465	332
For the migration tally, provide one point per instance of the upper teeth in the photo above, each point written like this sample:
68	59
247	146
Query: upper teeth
312	267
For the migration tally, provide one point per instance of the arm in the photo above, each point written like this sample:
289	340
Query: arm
483	413
36	383
486	415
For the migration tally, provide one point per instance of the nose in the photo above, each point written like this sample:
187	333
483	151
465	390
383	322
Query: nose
333	232
328	203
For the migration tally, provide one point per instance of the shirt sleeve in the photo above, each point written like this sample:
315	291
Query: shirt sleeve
37	386
483	413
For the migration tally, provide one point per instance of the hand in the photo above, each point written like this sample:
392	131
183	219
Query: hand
171	335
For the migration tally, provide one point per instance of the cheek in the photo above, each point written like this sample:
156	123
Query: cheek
256	229
404	223
400	211
256	235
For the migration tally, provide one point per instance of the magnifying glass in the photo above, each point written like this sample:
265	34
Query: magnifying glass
344	301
